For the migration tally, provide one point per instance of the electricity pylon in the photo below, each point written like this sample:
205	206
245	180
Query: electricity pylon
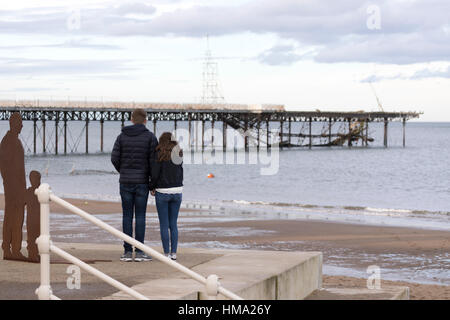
212	93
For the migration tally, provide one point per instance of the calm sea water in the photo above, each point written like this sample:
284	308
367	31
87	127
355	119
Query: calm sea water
395	186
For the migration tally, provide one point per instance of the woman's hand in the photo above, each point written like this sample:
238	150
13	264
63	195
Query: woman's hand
152	192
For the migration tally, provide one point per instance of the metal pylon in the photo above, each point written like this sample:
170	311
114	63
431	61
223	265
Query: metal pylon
212	93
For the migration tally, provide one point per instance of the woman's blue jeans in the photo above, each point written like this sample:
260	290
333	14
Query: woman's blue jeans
168	206
134	203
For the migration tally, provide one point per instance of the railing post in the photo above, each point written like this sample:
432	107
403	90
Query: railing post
44	292
212	287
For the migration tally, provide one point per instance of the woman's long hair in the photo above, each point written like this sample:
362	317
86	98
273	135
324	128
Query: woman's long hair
166	147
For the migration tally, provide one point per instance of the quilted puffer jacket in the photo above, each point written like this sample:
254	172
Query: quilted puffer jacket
133	154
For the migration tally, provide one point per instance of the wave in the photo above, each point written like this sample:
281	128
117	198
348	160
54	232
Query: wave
362	209
91	172
388	210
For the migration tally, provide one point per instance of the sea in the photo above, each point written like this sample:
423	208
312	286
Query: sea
395	186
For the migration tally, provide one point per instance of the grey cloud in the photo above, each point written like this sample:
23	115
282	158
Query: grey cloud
42	67
136	8
426	73
372	78
389	48
377	78
411	31
30	89
84	45
421	74
71	44
279	55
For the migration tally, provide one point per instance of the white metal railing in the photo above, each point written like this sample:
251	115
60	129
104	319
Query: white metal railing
45	245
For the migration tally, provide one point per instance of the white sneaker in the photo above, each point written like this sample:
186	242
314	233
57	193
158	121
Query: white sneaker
173	256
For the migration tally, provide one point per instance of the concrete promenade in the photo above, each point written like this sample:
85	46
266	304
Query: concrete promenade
255	275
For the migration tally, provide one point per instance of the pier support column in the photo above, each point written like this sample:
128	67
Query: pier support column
310	133
101	133
289	131
154	126
212	134
349	132
87	135
175	128
245	134
56	133
203	135
224	135
43	136
259	138
190	133
281	134
386	132
196	123
65	134
190	130
404	132
267	134
329	132
367	132
123	119
34	134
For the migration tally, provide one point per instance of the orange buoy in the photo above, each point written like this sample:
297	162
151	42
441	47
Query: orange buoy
210	175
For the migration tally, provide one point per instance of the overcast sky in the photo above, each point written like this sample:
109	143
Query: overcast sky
305	54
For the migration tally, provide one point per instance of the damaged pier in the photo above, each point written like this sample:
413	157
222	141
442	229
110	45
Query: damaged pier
267	127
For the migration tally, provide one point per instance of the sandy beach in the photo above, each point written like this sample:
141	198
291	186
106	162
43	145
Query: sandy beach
391	248
91	206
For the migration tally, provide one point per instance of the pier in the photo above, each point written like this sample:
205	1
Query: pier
261	126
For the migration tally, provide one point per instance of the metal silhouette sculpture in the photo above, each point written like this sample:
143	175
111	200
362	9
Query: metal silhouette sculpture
12	167
17	196
33	217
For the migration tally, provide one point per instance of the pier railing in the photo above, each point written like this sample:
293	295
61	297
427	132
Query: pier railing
45	245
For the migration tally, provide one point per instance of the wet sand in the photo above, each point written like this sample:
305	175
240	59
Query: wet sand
374	239
416	291
352	246
90	206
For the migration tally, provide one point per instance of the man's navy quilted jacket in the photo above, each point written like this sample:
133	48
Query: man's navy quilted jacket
133	154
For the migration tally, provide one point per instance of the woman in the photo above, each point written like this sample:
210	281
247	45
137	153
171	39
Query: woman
167	187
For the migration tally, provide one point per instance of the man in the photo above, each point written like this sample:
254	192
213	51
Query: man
12	167
132	156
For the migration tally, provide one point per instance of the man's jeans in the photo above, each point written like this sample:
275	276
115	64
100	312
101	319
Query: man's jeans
168	206
134	202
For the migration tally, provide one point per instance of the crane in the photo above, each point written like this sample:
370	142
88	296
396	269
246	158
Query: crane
376	96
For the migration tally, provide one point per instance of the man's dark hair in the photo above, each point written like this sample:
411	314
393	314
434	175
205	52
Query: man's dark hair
139	116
